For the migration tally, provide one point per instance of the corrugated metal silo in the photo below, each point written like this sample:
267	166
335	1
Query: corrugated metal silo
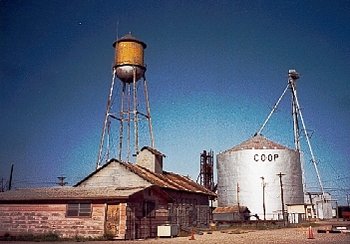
240	172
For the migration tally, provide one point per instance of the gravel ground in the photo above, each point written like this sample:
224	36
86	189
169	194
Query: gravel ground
286	235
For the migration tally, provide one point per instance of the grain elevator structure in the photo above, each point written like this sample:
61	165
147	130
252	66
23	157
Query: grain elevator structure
266	176
248	175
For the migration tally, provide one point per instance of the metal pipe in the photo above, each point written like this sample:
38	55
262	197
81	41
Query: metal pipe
148	111
136	129
121	126
308	140
295	117
272	111
129	125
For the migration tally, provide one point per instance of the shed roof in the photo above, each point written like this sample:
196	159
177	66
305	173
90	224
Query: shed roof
68	193
166	180
231	209
257	142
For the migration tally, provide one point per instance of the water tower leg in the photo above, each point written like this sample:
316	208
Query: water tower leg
148	111
109	101
136	127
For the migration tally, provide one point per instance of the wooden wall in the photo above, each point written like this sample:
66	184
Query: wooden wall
189	209
115	174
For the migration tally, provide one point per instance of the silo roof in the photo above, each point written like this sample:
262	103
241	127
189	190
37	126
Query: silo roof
257	142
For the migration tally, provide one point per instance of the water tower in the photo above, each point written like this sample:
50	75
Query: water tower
133	107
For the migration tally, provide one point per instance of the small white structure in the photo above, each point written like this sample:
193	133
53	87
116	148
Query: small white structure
321	207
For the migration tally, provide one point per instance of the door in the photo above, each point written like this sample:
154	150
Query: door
112	221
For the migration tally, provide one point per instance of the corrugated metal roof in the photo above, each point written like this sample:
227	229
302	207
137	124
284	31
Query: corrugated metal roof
168	180
231	209
257	142
68	193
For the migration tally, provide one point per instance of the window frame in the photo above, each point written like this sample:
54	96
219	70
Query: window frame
79	210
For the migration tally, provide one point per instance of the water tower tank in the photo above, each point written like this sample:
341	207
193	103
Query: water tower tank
129	56
240	172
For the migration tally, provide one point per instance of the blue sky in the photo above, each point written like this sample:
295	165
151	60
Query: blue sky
214	70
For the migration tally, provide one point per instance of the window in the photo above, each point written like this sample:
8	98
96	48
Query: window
79	210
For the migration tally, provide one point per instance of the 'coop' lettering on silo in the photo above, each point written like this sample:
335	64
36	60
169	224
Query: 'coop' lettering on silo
265	157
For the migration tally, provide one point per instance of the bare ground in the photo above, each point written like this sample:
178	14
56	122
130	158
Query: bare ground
285	235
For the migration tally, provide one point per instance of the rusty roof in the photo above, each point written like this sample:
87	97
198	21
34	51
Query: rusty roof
68	193
129	38
166	180
257	142
231	209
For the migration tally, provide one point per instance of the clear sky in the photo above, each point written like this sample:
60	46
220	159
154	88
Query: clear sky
214	70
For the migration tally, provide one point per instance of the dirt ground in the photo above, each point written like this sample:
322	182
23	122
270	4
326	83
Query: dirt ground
285	235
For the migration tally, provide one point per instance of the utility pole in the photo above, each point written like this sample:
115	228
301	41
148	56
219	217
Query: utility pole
10	182
347	199
239	208
2	189
263	194
61	181
282	201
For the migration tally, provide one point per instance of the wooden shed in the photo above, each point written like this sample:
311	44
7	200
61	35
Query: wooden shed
231	214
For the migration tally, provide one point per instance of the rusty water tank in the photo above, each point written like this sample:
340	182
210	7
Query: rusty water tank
129	58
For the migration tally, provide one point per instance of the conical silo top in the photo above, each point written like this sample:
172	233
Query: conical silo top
257	142
129	38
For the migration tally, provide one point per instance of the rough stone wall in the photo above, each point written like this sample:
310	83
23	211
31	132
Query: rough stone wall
37	219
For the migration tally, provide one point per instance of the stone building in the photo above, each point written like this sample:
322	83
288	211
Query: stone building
119	200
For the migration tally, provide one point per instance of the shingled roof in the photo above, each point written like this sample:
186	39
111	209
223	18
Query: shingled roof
257	142
68	193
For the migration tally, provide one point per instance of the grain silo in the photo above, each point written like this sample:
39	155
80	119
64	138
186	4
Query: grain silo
249	175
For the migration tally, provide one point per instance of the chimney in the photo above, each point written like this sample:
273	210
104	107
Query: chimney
150	159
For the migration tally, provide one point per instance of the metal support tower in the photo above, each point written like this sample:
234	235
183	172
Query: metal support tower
293	75
206	174
129	117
